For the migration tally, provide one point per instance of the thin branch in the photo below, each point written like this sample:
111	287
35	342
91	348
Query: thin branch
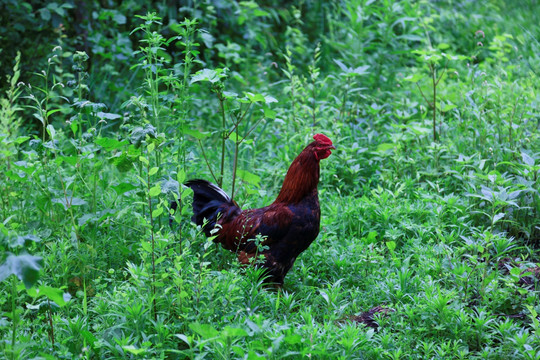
207	163
237	124
442	73
250	130
424	96
222	170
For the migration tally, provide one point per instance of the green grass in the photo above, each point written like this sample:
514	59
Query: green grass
430	204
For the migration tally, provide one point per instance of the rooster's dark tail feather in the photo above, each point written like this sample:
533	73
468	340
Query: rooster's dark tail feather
209	201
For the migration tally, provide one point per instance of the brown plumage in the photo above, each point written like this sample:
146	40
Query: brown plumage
287	226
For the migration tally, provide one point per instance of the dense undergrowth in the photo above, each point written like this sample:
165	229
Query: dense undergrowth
430	204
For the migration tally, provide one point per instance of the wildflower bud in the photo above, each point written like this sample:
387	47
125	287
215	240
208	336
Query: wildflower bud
57	48
479	44
20	83
480	32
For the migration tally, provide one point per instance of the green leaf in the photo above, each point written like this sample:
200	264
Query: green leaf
71	160
391	245
206	331
448	107
229	331
209	75
123	188
234	137
515	271
155	191
527	159
269	113
270	99
385	147
143	160
140	133
157	212
195	133
293	339
68	202
230	95
371	238
110	144
498	217
361	70
108	116
169	186
25	240
181	176
414	78
54	294
146	246
255	97
51	131
132	349
119	18
50	112
341	65
153	170
21	139
25	267
89	337
248	177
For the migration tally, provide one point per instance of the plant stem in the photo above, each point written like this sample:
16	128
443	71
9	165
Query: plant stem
51	333
223	138
344	102
235	164
153	243
15	317
434	107
207	163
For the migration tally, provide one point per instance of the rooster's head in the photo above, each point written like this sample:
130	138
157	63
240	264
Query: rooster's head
322	146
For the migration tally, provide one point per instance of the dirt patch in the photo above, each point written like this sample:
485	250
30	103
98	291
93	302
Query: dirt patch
368	317
532	277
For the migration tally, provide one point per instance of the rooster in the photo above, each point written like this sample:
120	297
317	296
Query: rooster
280	231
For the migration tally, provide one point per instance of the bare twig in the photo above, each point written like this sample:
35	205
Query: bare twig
424	96
442	73
206	160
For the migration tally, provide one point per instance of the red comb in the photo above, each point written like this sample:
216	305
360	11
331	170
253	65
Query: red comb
323	139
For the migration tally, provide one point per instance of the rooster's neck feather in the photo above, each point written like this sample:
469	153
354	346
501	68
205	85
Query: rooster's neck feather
302	178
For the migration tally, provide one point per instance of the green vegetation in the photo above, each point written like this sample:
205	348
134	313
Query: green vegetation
430	204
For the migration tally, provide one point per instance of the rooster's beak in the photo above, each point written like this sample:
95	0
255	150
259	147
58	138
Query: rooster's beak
332	147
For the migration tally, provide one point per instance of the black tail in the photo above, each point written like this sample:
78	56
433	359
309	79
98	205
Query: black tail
209	201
